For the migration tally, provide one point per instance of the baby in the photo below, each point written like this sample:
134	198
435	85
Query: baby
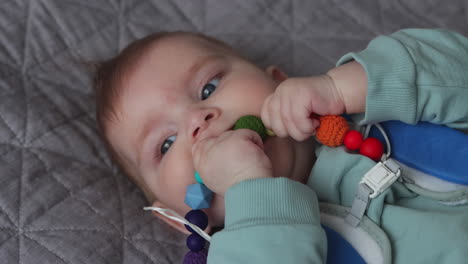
167	103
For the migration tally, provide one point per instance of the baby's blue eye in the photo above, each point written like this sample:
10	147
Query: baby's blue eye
209	88
167	144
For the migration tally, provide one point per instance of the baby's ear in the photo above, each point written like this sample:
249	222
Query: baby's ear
276	73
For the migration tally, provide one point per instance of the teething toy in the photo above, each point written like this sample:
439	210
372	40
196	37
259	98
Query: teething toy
331	131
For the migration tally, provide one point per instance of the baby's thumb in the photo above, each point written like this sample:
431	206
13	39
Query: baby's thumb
197	148
195	156
253	137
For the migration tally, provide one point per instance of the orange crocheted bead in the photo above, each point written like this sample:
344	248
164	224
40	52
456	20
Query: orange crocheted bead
332	130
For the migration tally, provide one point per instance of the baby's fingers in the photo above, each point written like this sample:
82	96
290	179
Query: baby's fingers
305	125
287	105
276	116
200	150
292	121
265	112
250	136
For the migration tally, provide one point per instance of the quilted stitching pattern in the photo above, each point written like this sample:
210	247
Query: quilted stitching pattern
61	199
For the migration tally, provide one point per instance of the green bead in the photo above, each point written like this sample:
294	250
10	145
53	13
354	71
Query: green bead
253	123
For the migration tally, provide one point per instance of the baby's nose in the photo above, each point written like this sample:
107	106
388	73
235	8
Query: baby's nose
200	121
202	125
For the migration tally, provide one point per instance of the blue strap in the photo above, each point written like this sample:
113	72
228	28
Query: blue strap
434	149
339	250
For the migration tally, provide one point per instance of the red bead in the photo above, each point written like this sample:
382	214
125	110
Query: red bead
372	148
353	139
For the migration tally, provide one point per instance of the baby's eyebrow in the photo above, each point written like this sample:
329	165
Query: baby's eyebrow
198	64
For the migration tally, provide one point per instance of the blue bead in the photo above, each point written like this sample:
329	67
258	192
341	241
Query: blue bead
198	196
195	242
198	218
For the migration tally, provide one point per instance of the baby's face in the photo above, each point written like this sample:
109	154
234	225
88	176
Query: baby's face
185	89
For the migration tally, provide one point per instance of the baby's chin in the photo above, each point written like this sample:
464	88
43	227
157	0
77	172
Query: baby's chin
290	159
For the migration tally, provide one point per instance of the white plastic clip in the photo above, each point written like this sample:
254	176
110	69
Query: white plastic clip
381	176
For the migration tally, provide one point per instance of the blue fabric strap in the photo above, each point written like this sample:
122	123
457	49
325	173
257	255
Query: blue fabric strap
434	149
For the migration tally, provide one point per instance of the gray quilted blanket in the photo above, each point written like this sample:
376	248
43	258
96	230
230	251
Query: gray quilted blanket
61	199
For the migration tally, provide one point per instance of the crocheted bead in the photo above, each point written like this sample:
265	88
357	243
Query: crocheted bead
195	242
199	257
198	196
253	123
198	218
332	130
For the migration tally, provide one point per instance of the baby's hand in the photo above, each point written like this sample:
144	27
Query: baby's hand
289	109
234	156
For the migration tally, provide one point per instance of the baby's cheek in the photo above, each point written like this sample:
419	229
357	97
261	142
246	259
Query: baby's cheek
173	181
256	96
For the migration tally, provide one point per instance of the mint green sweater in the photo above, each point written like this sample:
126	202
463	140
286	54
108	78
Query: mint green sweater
413	75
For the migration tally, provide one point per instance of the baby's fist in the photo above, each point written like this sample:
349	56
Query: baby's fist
234	156
289	109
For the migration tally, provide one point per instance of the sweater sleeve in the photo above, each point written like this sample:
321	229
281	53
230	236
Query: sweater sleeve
416	75
270	221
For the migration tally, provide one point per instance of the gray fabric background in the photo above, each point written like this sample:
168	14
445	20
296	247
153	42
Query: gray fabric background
61	199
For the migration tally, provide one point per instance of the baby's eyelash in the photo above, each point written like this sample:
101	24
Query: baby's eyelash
157	152
218	77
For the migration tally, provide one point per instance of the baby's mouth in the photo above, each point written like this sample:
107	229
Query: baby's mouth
284	164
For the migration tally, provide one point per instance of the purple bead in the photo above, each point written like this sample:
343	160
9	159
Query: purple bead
195	242
199	257
198	218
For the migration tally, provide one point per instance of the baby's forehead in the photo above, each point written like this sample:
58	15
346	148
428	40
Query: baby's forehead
173	45
172	57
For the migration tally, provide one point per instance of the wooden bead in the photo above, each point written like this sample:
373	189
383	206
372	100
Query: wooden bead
372	148
353	139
